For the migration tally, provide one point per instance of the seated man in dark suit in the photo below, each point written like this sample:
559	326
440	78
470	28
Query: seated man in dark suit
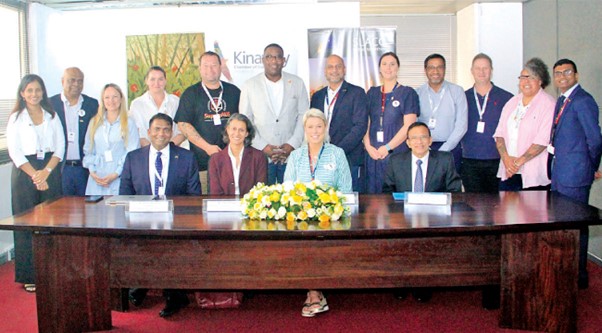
421	170
435	168
173	171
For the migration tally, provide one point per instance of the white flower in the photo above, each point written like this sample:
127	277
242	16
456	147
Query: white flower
281	213
311	213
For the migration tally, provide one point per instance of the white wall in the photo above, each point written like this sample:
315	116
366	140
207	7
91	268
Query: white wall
495	29
95	40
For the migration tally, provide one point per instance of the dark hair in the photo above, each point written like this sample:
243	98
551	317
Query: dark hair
161	116
155	68
417	124
565	61
44	103
538	68
248	123
434	56
482	56
392	54
274	45
211	54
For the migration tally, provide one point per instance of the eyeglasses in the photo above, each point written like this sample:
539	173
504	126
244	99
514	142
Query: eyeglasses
270	57
528	77
435	68
419	138
566	73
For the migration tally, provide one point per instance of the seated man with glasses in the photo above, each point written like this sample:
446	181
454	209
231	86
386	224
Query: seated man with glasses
421	169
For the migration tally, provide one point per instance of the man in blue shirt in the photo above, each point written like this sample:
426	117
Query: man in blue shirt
480	157
443	108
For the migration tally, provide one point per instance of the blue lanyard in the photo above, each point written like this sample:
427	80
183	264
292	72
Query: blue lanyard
312	170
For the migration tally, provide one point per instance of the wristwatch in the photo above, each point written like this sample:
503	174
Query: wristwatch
389	148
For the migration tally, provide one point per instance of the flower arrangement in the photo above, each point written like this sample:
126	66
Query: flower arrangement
295	202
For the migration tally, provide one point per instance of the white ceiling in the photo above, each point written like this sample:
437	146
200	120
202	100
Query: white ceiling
367	7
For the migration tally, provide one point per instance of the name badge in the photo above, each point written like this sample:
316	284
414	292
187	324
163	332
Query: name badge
40	155
380	136
395	103
71	137
432	123
551	149
108	156
481	127
217	120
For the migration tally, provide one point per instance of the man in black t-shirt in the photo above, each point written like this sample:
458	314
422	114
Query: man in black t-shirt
204	109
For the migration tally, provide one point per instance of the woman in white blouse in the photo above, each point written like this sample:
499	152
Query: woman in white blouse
155	100
36	145
111	135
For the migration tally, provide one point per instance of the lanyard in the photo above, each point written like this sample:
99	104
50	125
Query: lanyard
566	101
311	166
383	102
219	99
436	108
330	105
476	99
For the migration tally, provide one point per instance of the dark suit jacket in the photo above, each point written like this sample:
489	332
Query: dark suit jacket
253	169
90	105
182	178
441	175
577	142
349	120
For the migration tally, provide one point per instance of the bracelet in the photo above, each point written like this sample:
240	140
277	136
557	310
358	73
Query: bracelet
388	147
49	170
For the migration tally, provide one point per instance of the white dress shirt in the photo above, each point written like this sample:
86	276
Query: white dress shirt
72	123
22	139
275	93
152	171
235	169
144	108
424	167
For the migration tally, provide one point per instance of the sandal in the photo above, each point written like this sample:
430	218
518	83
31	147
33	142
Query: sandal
29	287
310	309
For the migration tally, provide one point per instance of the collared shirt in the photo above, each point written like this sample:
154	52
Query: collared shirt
451	114
424	167
236	169
276	94
144	108
72	116
330	101
22	139
481	146
569	91
152	157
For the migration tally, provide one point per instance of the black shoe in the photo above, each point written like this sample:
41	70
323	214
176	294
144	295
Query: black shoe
422	295
401	294
174	301
137	296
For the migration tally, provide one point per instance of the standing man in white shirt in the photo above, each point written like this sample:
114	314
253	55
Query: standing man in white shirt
275	102
443	108
75	111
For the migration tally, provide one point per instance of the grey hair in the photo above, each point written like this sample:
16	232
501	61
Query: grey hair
316	113
538	68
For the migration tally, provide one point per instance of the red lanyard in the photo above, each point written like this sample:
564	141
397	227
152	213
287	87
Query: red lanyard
382	104
566	101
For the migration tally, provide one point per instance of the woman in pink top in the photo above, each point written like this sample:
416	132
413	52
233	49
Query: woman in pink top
523	132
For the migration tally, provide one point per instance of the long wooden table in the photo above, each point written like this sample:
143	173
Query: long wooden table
527	242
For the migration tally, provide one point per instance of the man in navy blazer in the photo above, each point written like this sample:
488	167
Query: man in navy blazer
346	109
176	174
75	111
575	146
440	175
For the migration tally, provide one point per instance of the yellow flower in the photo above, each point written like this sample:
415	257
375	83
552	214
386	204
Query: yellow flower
324	197
300	188
338	209
271	213
253	215
302	225
290	216
302	215
275	196
324	218
306	205
297	199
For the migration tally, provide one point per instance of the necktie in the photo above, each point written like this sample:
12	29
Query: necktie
418	183
559	103
159	167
